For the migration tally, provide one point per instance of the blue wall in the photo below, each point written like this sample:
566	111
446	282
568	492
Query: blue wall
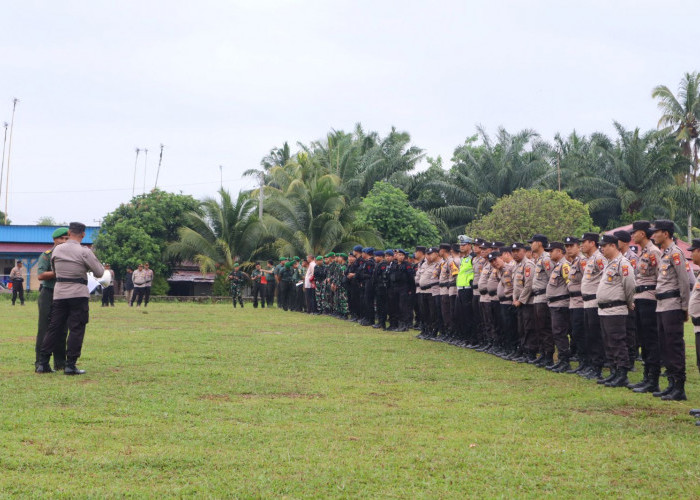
38	234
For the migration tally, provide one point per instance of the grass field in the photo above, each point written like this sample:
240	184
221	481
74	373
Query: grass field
204	400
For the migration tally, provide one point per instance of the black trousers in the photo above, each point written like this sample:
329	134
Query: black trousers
270	292
446	312
258	289
146	295
393	309
614	331
488	321
436	313
368	303
672	343
543	328
138	295
594	339
560	331
647	331
108	296
463	314
283	291
72	314
45	303
497	327
17	290
577	333
509	326
478	327
381	298
631	333
310	300
424	299
526	328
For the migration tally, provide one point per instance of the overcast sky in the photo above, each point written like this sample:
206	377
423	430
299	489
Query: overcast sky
222	82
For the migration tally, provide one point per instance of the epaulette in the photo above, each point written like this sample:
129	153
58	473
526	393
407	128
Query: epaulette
47	252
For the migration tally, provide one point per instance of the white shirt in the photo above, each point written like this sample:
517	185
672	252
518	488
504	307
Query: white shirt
309	274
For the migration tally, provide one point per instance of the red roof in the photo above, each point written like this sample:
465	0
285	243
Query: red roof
25	247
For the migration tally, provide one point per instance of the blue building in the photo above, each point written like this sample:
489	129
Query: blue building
27	243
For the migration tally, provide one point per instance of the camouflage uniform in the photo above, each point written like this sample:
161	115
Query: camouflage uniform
237	280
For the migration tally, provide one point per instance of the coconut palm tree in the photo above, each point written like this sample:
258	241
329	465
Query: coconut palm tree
680	116
228	230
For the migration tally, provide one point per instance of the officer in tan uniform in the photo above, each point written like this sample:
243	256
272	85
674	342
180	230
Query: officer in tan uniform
421	302
70	262
694	311
522	300
573	257
543	320
615	299
494	305
624	238
504	265
436	299
426	283
452	291
645	306
487	322
557	293
478	327
444	279
593	264
672	297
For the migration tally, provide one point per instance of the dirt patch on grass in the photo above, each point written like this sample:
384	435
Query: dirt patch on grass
629	411
215	397
281	395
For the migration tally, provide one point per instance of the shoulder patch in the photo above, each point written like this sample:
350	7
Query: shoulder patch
625	269
634	263
652	260
676	258
527	272
547	264
601	264
47	252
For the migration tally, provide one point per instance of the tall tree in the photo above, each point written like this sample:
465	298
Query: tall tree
680	116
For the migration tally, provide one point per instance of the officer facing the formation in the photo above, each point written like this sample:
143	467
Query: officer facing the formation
70	261
543	321
557	293
672	297
593	264
17	283
45	302
522	300
615	296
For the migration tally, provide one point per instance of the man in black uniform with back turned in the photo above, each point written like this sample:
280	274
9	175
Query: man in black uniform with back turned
70	262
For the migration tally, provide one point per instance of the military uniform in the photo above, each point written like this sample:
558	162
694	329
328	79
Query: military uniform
615	296
139	277
366	274
400	282
17	284
428	284
543	319
286	284
593	266
487	321
522	292
557	293
45	303
258	287
694	309
509	315
380	280
578	344
237	280
478	326
672	298
70	261
464	315
444	279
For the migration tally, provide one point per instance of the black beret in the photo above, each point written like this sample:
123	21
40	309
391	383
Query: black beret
623	236
608	239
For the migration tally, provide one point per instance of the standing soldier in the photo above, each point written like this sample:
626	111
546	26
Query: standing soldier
444	280
149	283
672	297
17	283
495	306
557	293
401	281
320	274
237	279
573	256
286	285
452	292
341	288
45	302
593	264
71	299
543	320
615	299
524	273
380	288
488	324
624	238
694	311
477	264
366	273
464	317
128	284
505	267
645	306
421	294
108	291
354	290
139	277
392	296
435	297
277	274
258	286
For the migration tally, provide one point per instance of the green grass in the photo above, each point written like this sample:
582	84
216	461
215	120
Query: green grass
203	400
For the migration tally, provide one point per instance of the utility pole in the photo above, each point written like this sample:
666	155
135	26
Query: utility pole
160	160
145	166
9	153
136	162
559	168
221	175
260	195
2	169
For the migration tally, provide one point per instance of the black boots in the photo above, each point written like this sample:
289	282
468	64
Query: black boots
678	392
71	369
644	381
620	379
613	374
563	367
43	368
668	389
652	383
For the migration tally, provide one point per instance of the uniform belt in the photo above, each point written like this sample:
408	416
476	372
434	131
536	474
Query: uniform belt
483	292
644	288
535	293
586	298
475	287
444	285
696	321
463	288
668	295
558	298
492	294
614	303
575	294
506	299
81	281
452	283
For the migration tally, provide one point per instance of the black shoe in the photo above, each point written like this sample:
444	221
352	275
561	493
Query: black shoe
581	367
613	374
644	380
564	367
378	325
678	392
595	373
668	389
43	368
695	412
620	380
549	362
71	369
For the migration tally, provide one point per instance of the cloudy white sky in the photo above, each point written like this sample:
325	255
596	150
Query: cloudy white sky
222	82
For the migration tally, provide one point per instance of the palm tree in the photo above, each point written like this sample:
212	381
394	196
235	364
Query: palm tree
680	117
227	231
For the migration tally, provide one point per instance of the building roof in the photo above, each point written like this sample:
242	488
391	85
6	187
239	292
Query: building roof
194	276
39	234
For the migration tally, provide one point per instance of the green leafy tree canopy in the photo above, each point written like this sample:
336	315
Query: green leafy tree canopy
387	209
518	216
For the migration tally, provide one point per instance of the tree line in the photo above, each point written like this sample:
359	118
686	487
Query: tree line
360	187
